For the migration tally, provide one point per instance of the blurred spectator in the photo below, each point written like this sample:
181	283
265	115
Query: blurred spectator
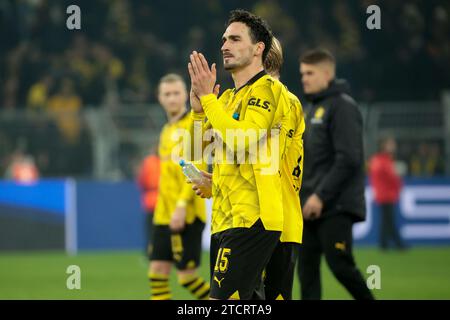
46	152
37	38
81	66
22	168
148	181
39	93
10	93
438	160
386	185
6	146
119	21
124	47
137	87
427	161
110	70
349	47
279	20
64	107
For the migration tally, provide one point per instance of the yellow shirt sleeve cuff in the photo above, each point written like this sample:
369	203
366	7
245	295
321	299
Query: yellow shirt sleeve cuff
207	100
181	203
196	116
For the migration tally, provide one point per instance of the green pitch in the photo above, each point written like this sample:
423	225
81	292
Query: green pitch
420	273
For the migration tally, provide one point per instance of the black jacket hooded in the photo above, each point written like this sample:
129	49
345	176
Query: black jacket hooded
333	167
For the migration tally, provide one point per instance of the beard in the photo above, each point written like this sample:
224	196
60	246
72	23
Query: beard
237	65
231	66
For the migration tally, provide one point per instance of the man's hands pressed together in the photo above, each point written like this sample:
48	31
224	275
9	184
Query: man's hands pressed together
203	80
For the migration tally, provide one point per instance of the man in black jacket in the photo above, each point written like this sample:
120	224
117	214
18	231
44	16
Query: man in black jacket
332	193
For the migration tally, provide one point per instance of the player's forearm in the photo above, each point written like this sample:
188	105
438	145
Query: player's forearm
194	146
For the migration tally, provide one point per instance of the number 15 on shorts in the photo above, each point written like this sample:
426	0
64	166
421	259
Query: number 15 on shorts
222	260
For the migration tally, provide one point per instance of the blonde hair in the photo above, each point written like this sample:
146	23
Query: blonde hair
274	60
170	78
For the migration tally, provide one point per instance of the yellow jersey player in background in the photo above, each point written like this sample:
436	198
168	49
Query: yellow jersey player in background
279	273
247	216
179	217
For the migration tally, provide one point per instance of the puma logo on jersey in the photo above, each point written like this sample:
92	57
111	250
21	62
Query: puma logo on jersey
259	103
219	282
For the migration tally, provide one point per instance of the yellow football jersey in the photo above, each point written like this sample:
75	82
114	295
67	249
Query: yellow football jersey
292	172
245	191
172	182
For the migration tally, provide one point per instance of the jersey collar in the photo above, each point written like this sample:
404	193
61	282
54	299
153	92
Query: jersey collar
252	80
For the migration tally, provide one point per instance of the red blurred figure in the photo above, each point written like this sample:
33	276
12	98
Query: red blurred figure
22	169
148	181
386	184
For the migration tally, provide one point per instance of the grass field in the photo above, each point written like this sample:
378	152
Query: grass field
420	273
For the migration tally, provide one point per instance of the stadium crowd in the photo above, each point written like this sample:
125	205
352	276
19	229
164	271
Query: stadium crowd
124	47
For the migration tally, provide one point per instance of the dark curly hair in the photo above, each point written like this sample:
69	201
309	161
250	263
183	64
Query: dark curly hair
259	29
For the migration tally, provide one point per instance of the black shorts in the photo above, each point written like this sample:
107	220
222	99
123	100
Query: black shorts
149	232
184	248
279	273
240	256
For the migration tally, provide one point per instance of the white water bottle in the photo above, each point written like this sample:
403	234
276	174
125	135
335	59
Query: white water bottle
191	172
